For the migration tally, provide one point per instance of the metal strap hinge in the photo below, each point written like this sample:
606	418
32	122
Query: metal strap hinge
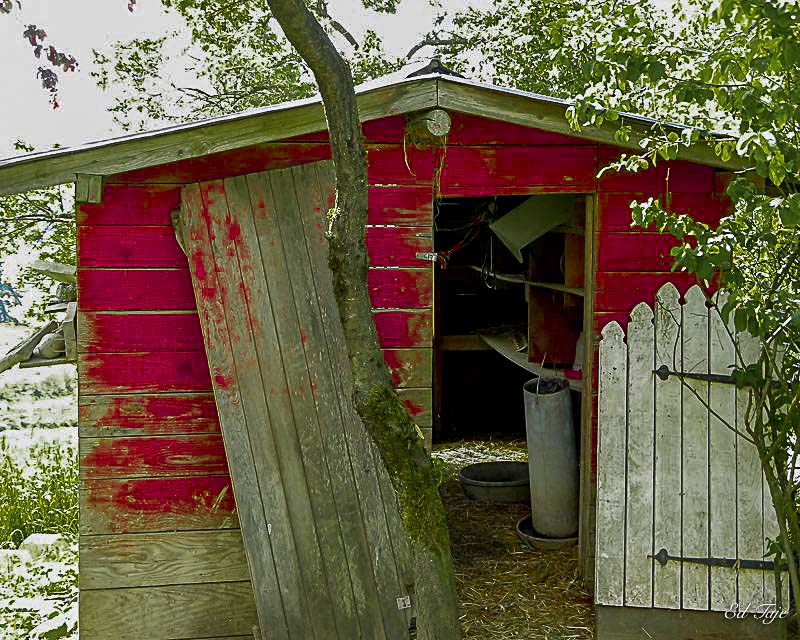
662	557
664	372
430	257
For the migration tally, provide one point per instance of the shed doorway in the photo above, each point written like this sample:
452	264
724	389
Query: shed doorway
508	306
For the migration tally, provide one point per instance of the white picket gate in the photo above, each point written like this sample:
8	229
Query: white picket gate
670	474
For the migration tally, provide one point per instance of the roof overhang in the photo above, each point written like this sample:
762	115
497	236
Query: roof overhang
278	122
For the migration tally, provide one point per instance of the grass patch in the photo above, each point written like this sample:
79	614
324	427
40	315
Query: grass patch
38	494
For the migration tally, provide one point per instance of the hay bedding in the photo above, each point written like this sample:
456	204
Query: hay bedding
506	590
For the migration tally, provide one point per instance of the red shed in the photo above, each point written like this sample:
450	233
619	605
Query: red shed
161	546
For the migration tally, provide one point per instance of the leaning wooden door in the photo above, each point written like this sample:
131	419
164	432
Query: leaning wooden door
680	496
323	539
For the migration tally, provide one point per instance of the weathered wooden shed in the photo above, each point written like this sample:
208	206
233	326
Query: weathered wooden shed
170	347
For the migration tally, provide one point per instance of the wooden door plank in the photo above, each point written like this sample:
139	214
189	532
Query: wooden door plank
259	529
639	463
722	460
131	332
379	536
612	431
298	339
668	439
749	490
695	464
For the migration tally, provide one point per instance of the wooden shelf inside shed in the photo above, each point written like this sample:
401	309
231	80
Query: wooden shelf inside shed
503	344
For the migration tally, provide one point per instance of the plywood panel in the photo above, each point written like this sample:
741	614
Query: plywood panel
153	559
615	212
147	414
400	288
134	289
637	252
397	164
475	130
177	611
157	504
152	456
128	332
677	175
129	246
621	291
143	372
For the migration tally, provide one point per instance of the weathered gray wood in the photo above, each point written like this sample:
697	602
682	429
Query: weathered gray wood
24	350
68	327
611	434
668	443
639	461
722	460
209	610
262	516
267	307
202	138
153	559
88	188
290	198
429	126
56	270
314	184
695	464
624	623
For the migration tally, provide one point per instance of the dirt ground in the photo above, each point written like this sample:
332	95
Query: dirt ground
508	591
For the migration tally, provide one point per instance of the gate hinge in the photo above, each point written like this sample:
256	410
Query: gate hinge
662	557
664	372
429	257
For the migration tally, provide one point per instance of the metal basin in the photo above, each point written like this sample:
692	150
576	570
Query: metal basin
532	538
501	481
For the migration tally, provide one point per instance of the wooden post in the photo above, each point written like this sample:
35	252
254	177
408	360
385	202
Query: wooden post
428	126
88	188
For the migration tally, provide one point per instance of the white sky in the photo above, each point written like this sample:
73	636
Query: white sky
78	26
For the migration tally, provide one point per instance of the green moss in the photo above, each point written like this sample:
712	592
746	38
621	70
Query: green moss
410	467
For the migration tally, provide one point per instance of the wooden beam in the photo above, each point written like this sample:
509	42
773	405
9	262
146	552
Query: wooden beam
88	188
429	126
203	138
548	114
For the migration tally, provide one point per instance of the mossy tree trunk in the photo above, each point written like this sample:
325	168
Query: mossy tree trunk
386	419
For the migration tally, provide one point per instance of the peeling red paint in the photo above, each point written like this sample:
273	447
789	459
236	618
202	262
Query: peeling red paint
221	381
303	337
198	259
413	408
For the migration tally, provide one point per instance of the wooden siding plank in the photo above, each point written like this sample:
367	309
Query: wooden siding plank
152	456
157	504
722	461
668	446
749	492
473	130
623	290
116	373
469	168
397	164
236	389
404	328
410	367
132	205
400	288
639	462
178	611
149	414
615	212
216	166
403	206
612	434
398	246
135	290
637	252
695	464
419	403
128	247
341	572
677	175
379	574
115	332
154	559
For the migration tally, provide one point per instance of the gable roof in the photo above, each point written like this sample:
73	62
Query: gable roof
388	96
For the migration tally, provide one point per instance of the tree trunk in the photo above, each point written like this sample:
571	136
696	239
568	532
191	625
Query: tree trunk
385	417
